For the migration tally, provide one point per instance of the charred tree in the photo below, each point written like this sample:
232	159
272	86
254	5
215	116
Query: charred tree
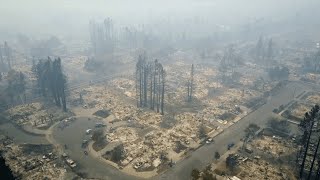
270	50
1	57
155	84
318	170
259	49
314	159
150	83
190	84
7	52
51	80
307	125
151	74
139	81
102	37
16	86
163	80
159	74
145	85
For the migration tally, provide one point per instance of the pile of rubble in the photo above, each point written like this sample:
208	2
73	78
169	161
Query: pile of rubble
75	62
127	86
300	110
153	145
21	114
35	115
101	98
313	98
123	134
146	152
187	128
106	99
30	165
311	77
26	70
261	169
273	145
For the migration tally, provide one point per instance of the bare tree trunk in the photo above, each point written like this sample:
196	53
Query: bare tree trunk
151	84
25	97
163	89
145	85
191	82
154	85
140	78
64	102
188	87
7	53
1	56
305	155
137	84
314	158
158	89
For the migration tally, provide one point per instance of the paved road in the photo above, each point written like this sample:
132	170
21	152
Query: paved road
20	137
73	135
204	155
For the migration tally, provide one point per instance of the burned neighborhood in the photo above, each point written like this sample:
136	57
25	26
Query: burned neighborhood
137	90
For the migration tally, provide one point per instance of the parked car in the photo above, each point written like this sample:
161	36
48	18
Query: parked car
100	125
88	131
230	146
209	140
84	143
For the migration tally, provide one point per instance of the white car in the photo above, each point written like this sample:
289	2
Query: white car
209	140
88	131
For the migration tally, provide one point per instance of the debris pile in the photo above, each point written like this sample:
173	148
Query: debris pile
300	110
32	165
36	115
123	134
273	145
261	169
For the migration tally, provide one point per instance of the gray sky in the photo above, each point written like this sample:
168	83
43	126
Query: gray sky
68	16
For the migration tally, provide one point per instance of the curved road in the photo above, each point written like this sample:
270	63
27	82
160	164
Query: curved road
73	135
